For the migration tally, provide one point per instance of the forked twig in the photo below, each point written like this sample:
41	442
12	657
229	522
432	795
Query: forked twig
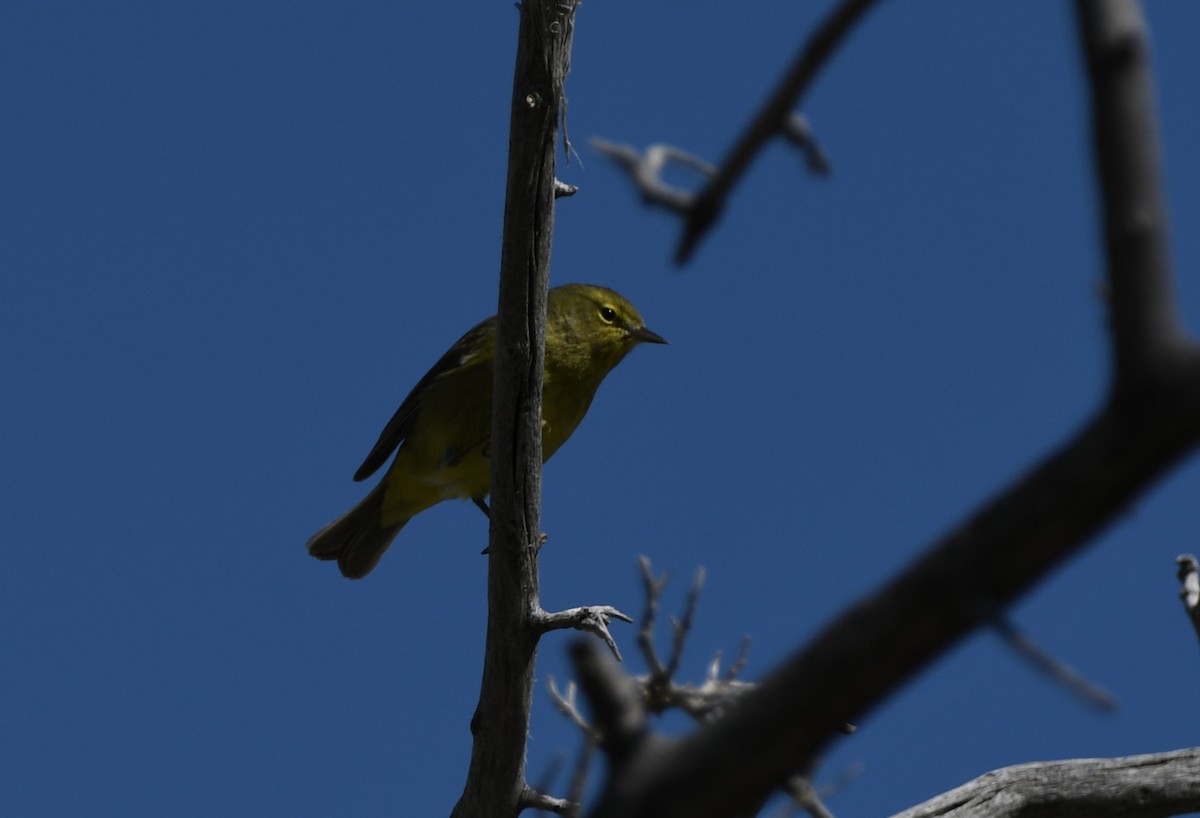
590	618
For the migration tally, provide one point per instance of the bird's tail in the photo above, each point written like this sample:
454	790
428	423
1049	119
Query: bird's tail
358	538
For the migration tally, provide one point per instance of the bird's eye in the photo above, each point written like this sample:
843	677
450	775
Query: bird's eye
608	314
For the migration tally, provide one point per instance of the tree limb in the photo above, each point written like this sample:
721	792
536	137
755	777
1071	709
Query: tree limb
1146	332
591	618
1145	786
495	783
1150	421
774	119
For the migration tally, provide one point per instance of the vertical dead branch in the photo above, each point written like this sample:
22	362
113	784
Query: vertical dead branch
496	779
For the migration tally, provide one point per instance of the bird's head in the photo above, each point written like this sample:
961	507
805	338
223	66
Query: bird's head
603	321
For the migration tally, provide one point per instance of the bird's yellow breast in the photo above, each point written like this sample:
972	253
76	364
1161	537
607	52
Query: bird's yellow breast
459	464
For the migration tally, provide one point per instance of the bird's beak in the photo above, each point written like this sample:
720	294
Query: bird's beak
646	336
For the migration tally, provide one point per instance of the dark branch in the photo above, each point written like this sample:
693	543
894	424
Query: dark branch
1145	326
1151	421
618	711
1057	670
772	120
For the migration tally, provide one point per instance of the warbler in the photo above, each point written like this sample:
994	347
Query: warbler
441	431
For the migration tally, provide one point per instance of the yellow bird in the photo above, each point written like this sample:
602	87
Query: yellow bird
441	431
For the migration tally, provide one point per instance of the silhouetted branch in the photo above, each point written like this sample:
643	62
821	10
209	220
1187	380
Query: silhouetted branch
618	711
805	797
772	120
777	118
1059	671
1146	333
1150	421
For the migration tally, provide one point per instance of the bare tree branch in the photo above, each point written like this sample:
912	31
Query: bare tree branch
495	783
1146	333
797	131
681	627
653	589
592	618
562	190
618	708
535	799
739	664
1145	786
646	170
1151	420
1189	591
564	702
805	797
660	691
777	118
579	778
1059	671
773	120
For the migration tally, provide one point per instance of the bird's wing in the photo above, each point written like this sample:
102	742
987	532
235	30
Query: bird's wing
465	353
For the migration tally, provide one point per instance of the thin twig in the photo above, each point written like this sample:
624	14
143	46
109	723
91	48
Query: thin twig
579	778
797	131
1059	671
739	664
653	590
539	791
565	704
682	626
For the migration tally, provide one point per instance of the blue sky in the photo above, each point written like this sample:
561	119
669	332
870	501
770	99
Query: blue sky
235	234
